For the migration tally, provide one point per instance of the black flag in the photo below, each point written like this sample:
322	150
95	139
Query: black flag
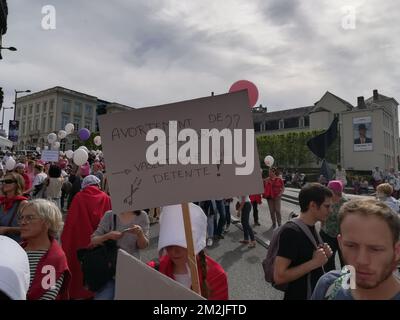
319	144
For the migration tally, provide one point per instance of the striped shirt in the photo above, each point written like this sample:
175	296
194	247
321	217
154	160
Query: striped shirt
34	258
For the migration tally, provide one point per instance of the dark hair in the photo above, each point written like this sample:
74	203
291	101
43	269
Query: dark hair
205	291
313	192
54	171
372	207
137	212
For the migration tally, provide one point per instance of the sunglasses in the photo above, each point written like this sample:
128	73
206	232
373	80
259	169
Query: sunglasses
8	181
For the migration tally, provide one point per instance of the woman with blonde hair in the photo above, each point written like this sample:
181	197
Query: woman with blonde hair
384	193
11	202
41	222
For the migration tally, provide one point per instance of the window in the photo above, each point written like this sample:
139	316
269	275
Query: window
307	121
64	120
24	111
88	125
37	107
30	109
51	105
257	126
37	124
23	127
44	106
78	109
30	128
62	144
50	127
66	106
88	111
272	125
77	123
75	144
19	112
301	122
291	123
281	124
44	124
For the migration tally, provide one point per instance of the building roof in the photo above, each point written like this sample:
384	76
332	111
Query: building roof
282	114
381	98
55	89
348	105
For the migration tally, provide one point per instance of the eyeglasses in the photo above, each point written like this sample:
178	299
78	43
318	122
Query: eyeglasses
8	181
28	218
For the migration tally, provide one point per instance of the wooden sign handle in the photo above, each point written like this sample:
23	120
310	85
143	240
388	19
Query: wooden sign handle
190	248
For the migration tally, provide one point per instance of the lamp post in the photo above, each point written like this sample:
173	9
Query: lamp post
2	118
15	99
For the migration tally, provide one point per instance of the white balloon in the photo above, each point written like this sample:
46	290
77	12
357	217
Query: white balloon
69	128
84	148
62	153
62	134
38	149
55	145
97	140
10	164
269	161
69	154
46	148
80	157
52	137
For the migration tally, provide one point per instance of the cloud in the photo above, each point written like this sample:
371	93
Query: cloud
143	53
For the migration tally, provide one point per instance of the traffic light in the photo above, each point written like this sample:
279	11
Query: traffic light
1	97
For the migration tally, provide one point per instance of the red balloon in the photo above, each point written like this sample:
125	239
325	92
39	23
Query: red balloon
252	90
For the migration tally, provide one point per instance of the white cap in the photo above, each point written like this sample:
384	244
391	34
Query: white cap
172	230
14	269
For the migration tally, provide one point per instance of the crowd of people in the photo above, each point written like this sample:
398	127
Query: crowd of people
49	211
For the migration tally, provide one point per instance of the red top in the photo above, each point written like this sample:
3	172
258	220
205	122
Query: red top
255	198
273	187
216	277
54	257
87	209
28	182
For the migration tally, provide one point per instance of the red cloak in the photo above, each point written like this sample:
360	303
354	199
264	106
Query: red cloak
216	277
54	257
87	209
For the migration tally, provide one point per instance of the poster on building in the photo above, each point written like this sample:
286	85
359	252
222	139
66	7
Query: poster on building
13	128
362	130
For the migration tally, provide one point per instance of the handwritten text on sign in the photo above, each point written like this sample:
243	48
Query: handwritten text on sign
188	163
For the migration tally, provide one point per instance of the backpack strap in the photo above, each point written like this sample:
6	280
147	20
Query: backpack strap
303	227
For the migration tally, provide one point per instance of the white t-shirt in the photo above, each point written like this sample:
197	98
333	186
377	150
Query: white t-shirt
184	279
39	178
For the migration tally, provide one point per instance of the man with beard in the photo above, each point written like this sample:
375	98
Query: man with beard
369	240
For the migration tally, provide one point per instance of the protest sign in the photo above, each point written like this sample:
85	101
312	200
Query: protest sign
135	280
195	150
50	155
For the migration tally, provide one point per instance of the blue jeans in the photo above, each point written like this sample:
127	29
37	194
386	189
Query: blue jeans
228	215
247	230
107	292
218	227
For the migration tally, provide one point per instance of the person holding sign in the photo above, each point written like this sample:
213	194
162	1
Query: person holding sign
174	260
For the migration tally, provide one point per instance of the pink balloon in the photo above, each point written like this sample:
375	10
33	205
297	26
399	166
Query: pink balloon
252	90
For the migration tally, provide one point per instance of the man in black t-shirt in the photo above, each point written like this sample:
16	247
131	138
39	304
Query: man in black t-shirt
297	256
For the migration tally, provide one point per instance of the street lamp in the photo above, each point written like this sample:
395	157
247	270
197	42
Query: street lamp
7	48
15	99
2	118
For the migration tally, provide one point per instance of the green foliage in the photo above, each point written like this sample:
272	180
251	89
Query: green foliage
290	149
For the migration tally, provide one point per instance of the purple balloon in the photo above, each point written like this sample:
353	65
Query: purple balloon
83	134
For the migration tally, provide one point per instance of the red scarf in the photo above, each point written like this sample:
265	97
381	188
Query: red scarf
8	202
55	257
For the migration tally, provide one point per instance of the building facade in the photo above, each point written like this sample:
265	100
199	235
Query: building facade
50	110
376	117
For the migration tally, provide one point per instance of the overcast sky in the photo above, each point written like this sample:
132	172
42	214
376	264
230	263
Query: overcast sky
151	52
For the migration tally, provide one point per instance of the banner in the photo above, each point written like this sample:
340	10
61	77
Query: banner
13	128
362	130
50	155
